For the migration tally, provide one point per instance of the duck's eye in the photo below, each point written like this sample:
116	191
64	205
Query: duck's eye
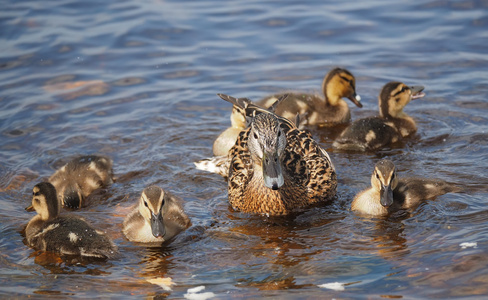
255	135
279	133
377	176
393	176
145	204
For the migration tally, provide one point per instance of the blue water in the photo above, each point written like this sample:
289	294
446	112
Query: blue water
137	80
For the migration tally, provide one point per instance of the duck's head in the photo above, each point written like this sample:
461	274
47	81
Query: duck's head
44	201
395	95
151	208
384	180
267	142
339	83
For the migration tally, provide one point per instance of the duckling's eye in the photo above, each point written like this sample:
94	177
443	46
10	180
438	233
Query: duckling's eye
377	176
392	176
145	204
255	136
279	133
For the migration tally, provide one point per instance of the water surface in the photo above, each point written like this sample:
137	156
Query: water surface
137	80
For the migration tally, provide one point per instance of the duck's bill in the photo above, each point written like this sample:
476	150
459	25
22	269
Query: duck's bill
386	196
356	99
417	91
30	208
272	173
157	225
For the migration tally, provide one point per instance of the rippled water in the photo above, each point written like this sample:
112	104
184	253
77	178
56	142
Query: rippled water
137	80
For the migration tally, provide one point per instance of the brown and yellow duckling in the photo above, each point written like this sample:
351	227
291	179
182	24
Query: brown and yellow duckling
329	111
228	138
391	126
314	110
157	217
274	167
80	177
66	235
388	193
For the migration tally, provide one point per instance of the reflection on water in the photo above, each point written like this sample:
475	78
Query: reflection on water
137	81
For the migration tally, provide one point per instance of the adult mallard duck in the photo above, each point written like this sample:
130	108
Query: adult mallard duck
388	193
67	235
80	177
314	110
275	168
391	126
157	217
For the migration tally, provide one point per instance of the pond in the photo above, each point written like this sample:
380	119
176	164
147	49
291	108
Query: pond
137	81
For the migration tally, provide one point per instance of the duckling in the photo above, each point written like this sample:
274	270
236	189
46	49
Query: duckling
157	217
276	168
391	126
228	138
327	112
80	177
388	193
67	235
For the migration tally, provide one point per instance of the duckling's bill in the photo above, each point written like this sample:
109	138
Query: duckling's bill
386	198
157	225
417	91
356	99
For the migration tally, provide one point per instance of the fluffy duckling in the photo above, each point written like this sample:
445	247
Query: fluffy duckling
157	217
228	138
391	126
329	111
80	177
388	193
67	235
276	168
325	112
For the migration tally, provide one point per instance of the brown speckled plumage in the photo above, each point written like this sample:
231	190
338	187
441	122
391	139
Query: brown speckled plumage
308	174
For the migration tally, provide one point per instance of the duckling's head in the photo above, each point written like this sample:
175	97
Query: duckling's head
72	197
384	180
44	201
339	83
151	208
266	143
395	95
238	117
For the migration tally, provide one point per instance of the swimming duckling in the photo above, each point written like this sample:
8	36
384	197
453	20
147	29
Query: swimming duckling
330	111
80	177
327	112
67	235
388	193
274	167
391	126
228	138
157	217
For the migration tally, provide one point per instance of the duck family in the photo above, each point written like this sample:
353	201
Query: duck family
270	159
